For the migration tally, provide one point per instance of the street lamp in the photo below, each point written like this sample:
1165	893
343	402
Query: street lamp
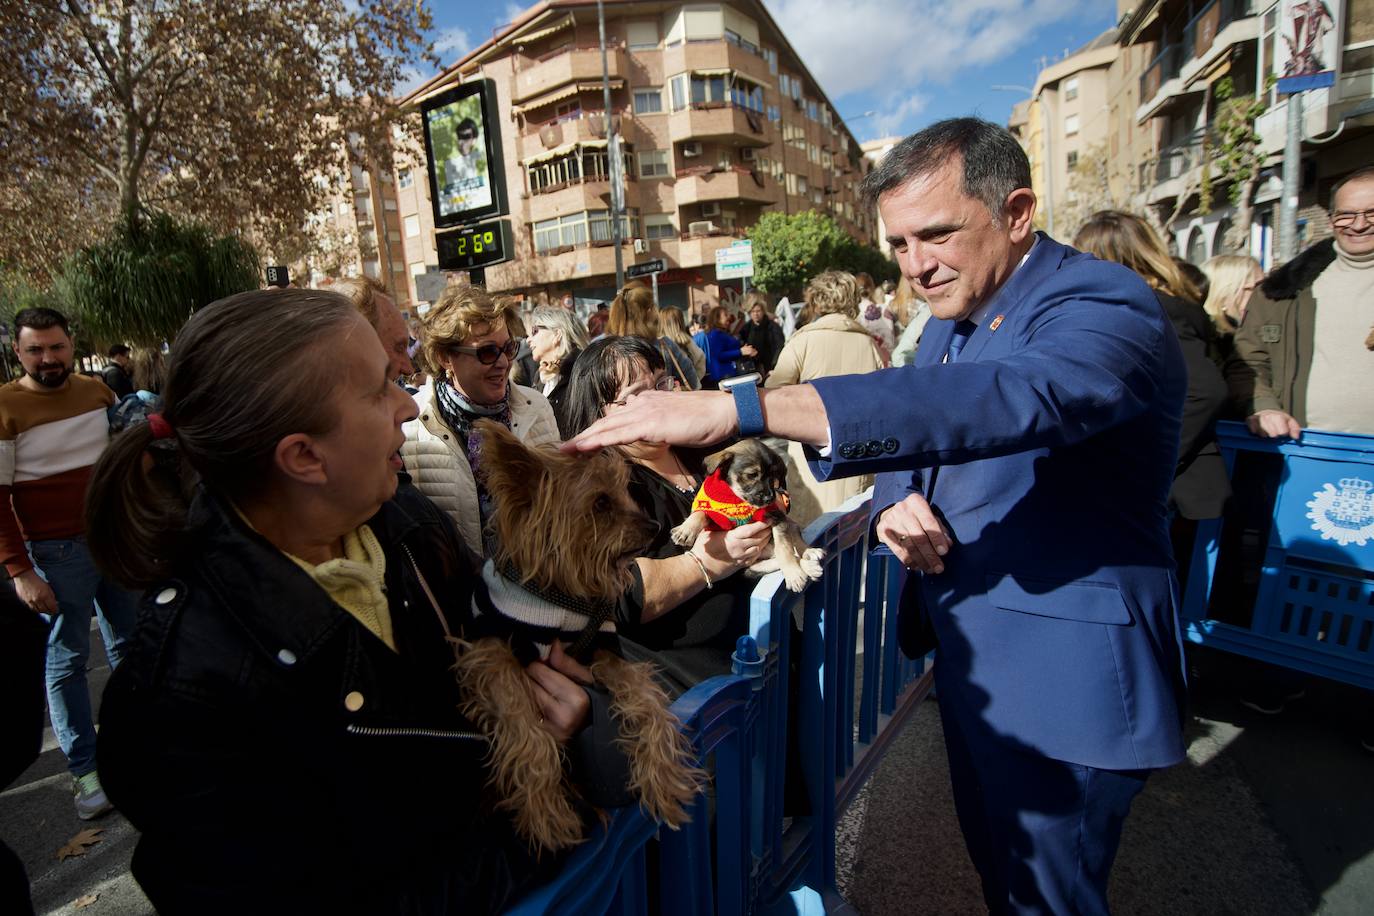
1049	161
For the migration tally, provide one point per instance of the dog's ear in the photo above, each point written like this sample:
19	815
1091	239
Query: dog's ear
721	460
510	470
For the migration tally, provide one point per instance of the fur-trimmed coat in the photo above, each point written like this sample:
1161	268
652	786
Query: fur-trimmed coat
1273	346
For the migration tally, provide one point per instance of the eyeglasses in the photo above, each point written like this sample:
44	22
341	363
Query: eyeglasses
666	383
489	354
1342	219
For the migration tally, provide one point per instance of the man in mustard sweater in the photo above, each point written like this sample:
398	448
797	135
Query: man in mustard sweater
53	427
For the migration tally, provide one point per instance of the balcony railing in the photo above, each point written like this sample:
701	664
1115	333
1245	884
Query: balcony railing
1195	41
1176	161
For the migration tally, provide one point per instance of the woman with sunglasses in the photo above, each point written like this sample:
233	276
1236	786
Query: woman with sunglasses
469	346
685	607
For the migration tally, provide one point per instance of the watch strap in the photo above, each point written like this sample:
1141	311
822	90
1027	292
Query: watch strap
748	408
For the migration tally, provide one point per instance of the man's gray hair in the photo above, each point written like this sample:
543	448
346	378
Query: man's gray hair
994	162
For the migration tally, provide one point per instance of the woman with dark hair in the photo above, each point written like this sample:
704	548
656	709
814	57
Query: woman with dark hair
720	346
761	332
687	607
285	731
1201	486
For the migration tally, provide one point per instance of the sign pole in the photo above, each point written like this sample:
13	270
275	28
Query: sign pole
653	277
1292	177
613	153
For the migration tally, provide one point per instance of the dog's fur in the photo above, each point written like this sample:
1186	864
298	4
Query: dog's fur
566	524
759	476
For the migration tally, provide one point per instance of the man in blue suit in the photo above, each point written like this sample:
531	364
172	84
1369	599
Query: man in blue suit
1026	459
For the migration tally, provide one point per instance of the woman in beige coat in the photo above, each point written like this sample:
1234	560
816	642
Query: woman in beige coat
833	343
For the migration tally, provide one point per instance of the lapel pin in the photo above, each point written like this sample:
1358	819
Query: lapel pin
996	323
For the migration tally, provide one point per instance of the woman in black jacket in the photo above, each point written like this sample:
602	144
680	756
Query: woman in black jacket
762	333
1201	486
284	731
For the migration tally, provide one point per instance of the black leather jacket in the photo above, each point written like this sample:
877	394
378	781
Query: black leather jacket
277	757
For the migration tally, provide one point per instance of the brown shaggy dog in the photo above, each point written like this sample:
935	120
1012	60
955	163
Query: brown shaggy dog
567	533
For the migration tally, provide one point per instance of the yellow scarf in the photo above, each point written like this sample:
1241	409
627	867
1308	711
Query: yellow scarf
355	582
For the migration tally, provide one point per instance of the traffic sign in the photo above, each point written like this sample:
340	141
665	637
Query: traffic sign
656	266
736	261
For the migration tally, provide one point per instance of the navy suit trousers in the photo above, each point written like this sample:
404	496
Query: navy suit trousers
1043	833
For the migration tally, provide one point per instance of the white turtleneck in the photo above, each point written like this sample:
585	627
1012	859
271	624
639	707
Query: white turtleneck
1342	372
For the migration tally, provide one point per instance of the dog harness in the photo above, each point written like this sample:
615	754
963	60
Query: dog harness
725	510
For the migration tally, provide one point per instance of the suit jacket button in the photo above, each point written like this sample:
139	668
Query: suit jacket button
874	448
890	445
846	451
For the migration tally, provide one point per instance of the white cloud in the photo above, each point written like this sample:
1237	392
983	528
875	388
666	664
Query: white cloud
512	12
893	116
451	44
892	47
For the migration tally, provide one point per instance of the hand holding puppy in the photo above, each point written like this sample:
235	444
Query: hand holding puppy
558	692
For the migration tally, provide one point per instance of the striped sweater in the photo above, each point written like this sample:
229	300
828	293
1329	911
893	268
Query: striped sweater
49	439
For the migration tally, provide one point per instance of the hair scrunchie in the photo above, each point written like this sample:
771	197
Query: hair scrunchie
159	425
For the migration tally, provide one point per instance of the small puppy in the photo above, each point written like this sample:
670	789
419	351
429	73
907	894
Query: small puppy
567	534
747	482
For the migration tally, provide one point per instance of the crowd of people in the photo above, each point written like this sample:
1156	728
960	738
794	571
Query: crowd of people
279	573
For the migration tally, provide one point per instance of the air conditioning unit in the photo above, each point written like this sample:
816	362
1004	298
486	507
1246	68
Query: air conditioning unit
711	209
691	149
701	227
641	246
748	154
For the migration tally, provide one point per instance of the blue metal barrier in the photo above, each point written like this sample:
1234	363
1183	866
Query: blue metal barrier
1314	605
753	856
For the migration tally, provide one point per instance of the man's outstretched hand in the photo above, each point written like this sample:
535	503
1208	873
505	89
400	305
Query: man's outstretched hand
697	418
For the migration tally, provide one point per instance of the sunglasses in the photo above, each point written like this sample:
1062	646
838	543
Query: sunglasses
467	136
667	383
489	354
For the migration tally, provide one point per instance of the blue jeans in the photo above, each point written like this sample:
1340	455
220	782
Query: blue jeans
67	566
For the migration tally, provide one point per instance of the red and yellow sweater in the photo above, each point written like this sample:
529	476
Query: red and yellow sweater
725	510
49	439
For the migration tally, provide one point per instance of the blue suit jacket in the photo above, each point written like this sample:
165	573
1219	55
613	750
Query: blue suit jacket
1048	449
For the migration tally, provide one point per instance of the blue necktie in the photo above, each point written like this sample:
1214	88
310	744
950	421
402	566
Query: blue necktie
962	332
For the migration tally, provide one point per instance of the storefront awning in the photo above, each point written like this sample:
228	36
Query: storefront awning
744	77
564	150
547	98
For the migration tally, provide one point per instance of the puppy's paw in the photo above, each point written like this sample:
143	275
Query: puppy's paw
683	535
796	578
811	560
762	568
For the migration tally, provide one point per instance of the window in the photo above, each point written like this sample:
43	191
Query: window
412	226
653	163
1071	89
1071	160
659	226
417	268
796	89
794	135
677	89
1071	125
576	229
586	163
773	113
771	55
648	101
405	178
785	85
1359	36
642	36
389	204
708	89
796	184
372	268
812	111
748	95
393	236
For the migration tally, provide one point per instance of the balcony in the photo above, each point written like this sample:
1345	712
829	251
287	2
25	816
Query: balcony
699	250
567	65
1211	32
717	54
590	259
578	127
1174	171
577	196
722	183
720	121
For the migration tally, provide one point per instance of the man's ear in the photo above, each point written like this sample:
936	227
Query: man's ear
1019	214
721	460
297	457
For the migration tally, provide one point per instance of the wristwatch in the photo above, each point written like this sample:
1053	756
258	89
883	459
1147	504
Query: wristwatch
745	389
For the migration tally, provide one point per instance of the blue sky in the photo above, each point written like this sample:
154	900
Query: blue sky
910	62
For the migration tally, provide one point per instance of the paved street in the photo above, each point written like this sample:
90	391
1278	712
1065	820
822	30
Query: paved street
1270	816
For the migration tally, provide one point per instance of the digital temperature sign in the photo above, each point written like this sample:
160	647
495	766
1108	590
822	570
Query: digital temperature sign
477	246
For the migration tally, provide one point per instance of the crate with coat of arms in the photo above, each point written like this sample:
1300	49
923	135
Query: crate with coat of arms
1288	575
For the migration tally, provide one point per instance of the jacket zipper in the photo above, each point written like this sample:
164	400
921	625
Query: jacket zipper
374	731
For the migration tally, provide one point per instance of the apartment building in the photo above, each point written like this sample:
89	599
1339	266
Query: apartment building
1192	45
719	122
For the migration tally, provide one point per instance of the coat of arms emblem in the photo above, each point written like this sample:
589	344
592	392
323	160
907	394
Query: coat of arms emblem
1344	515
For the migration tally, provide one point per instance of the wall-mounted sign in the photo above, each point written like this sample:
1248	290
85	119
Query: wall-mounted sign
467	179
470	247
